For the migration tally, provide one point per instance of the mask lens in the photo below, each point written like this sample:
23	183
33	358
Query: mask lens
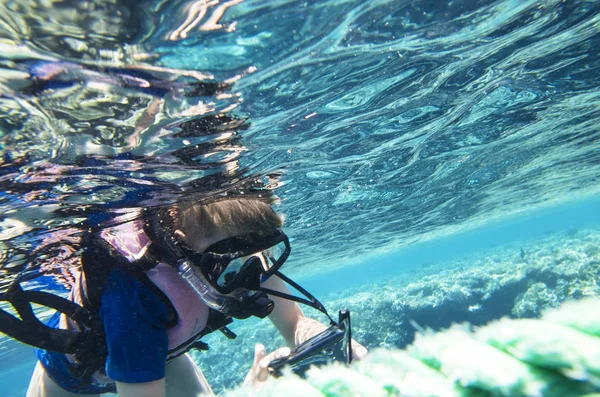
274	255
242	261
230	272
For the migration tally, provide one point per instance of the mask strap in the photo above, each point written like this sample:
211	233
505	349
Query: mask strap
311	301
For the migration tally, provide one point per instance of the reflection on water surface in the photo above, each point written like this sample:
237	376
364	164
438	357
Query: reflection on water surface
390	122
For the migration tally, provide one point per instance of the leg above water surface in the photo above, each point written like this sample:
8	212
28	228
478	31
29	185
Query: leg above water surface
184	378
42	386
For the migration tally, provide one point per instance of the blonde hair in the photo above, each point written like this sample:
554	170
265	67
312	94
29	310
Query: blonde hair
227	217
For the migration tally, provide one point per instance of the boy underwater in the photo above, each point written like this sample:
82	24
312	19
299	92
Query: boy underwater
160	284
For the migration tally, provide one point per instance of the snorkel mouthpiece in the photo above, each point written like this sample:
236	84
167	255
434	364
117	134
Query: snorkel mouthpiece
261	306
239	305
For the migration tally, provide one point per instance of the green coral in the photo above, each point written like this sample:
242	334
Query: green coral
547	345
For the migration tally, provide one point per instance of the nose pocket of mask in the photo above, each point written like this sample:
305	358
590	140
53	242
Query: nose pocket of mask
244	274
251	277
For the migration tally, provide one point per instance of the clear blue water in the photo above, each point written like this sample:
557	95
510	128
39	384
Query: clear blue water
509	234
396	133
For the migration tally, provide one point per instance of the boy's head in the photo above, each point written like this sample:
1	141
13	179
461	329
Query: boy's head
201	225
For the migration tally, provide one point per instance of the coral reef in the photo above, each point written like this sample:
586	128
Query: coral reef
517	281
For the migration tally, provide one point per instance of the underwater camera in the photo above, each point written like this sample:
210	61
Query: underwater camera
333	344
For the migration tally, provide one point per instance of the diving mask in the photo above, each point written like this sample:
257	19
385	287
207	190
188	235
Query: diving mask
227	275
242	261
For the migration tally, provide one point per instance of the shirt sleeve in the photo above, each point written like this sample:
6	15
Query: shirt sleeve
135	321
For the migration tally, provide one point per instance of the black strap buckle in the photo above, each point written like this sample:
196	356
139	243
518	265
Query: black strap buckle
228	333
199	345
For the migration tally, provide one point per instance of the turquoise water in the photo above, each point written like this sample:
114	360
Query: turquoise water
404	139
507	234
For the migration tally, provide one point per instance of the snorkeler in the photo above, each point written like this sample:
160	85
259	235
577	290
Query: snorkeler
158	284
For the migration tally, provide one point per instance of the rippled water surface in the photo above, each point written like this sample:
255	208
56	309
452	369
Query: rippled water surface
397	120
377	123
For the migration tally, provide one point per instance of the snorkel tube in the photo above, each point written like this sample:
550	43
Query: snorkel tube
238	304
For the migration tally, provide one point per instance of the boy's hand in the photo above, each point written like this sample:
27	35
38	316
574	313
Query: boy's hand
358	351
259	371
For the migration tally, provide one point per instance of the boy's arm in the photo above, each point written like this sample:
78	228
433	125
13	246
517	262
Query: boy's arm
294	326
288	317
148	389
